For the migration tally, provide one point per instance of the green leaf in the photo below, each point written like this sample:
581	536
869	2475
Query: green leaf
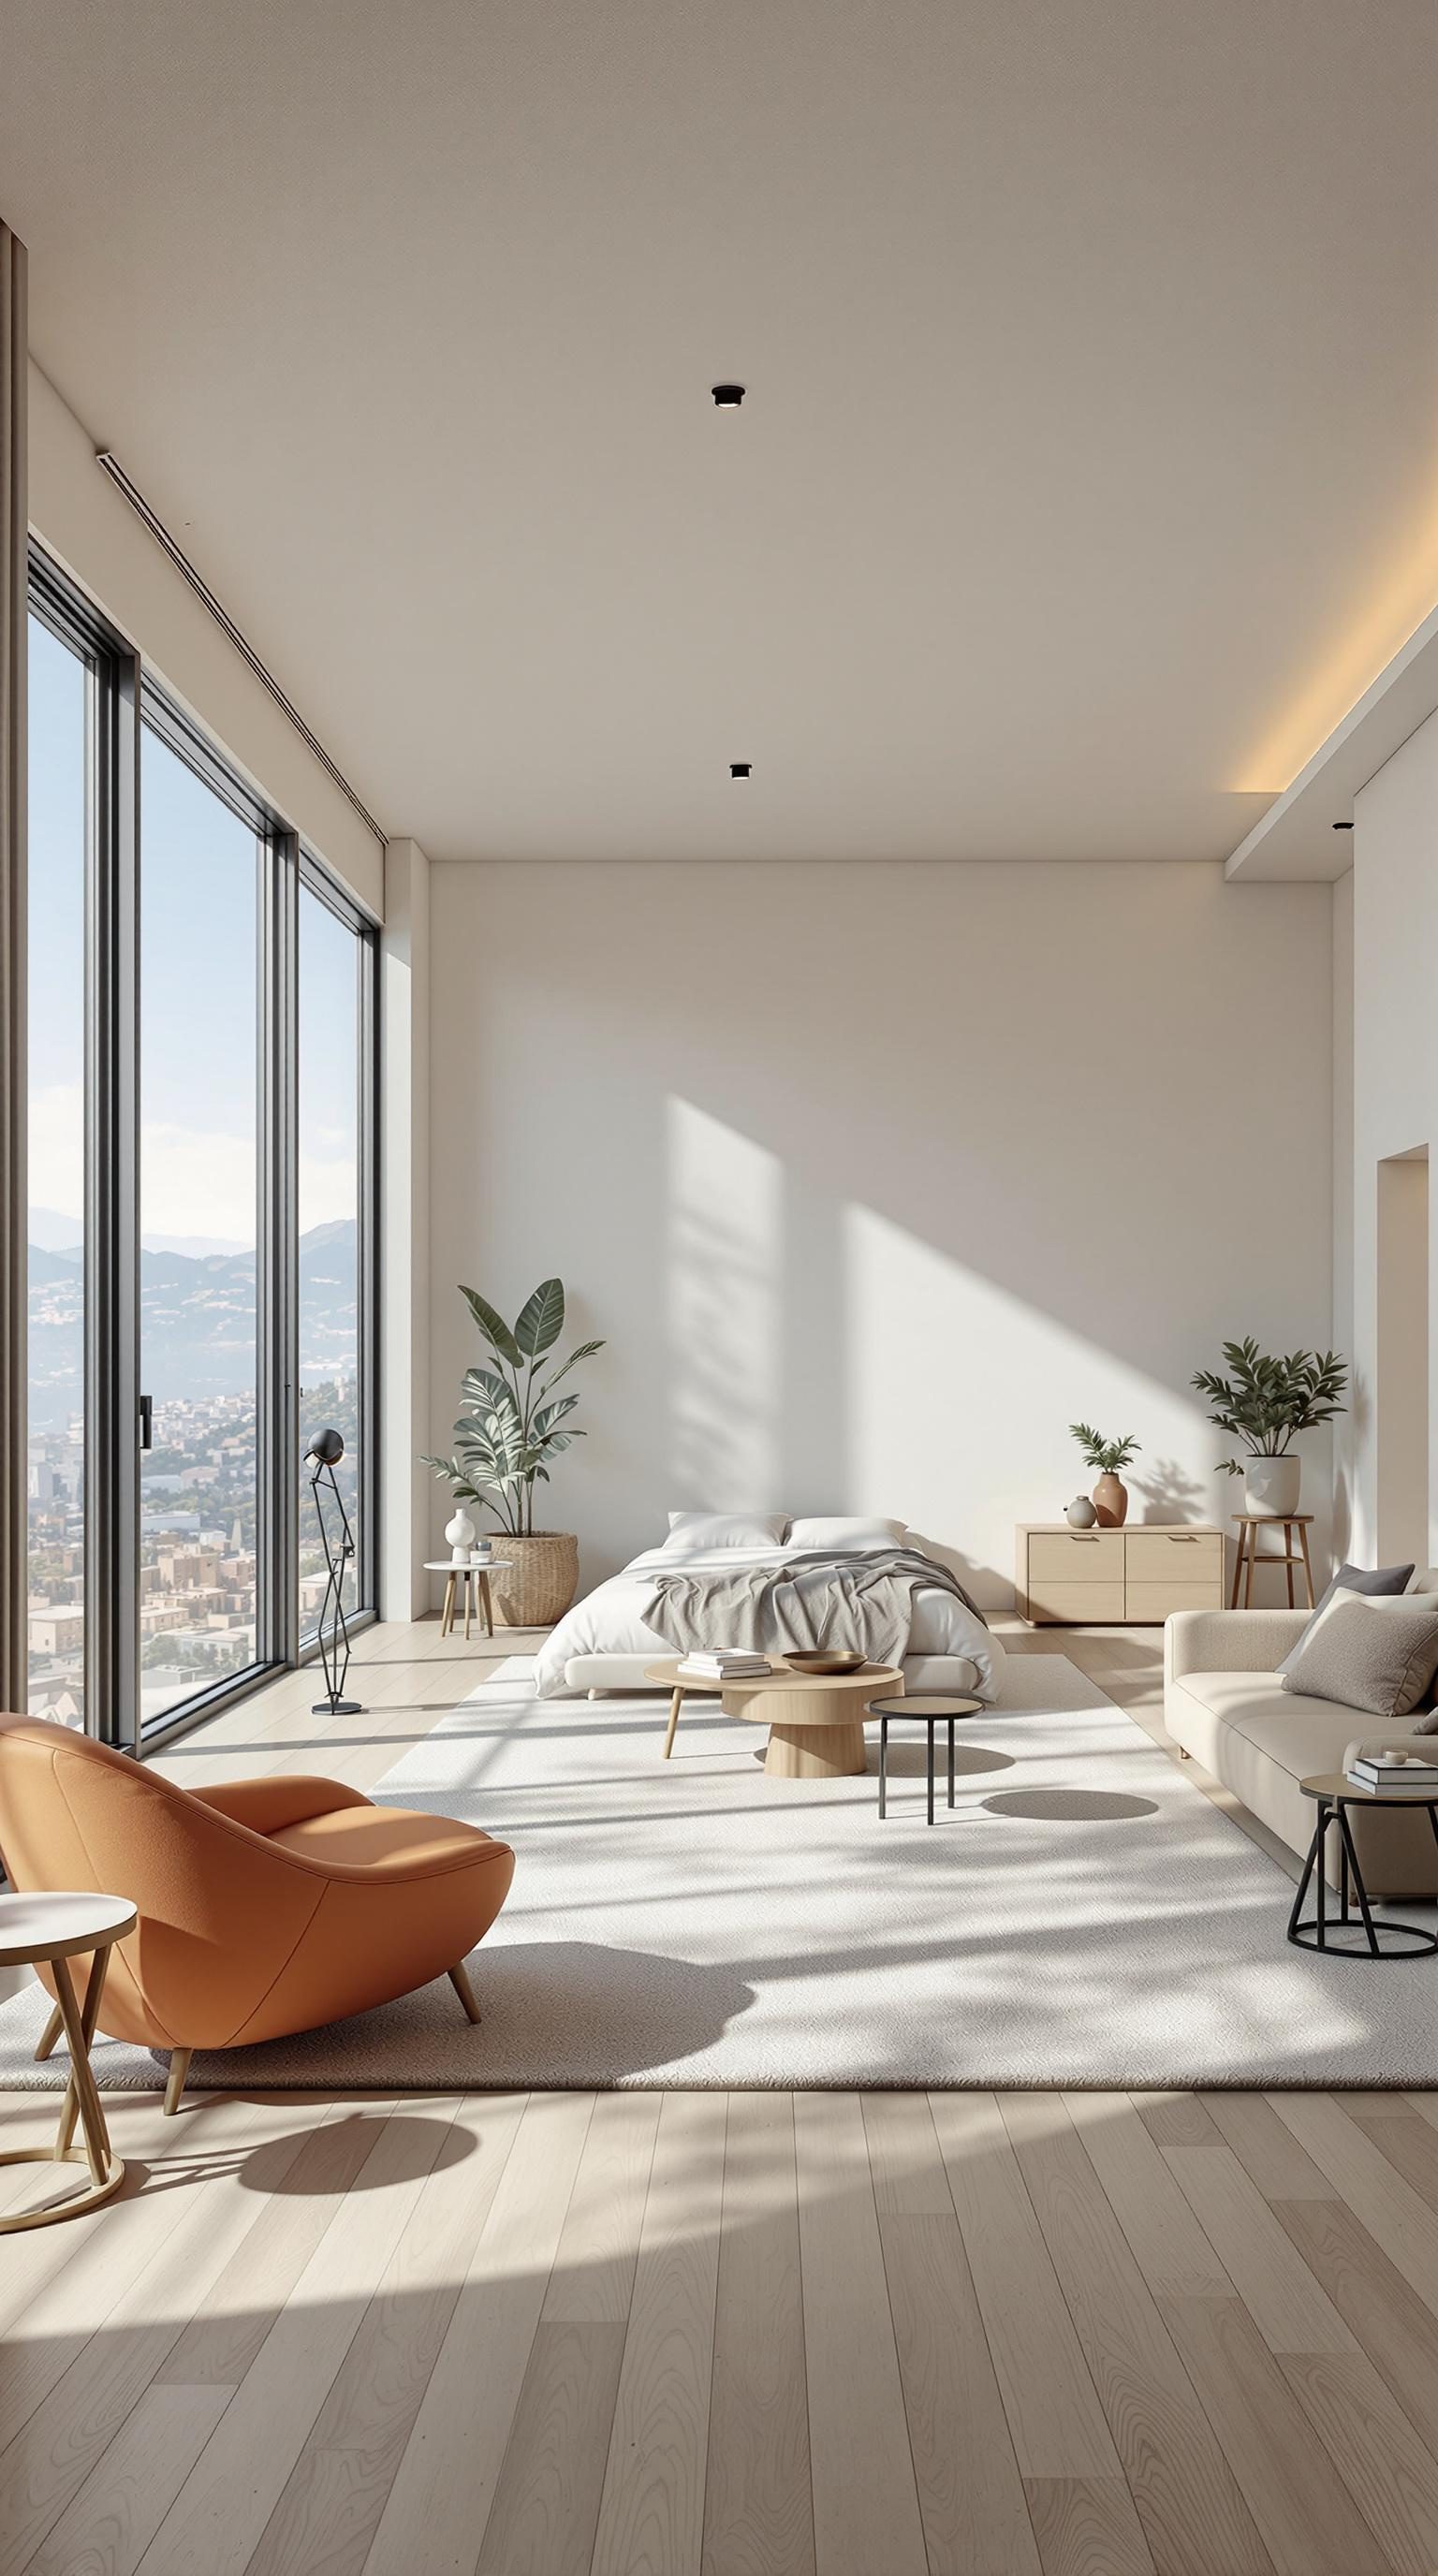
584	1351
485	1386
541	1319
542	1422
493	1326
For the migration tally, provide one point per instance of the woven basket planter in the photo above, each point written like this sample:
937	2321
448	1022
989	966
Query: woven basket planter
537	1585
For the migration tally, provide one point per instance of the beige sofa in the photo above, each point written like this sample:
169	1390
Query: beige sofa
1224	1702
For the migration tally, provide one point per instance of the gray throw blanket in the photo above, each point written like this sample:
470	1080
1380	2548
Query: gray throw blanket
819	1598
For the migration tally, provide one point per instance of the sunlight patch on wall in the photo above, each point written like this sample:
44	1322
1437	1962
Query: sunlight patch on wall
724	1289
948	1374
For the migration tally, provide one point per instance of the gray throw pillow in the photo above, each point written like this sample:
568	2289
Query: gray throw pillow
1377	1655
1352	1578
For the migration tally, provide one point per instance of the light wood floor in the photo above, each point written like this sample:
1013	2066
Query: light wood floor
755	2335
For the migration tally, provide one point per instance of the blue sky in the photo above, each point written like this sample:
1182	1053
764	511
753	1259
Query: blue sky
199	896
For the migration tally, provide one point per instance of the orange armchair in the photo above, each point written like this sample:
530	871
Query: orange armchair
266	1906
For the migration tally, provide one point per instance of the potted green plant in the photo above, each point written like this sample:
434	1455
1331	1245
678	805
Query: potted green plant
1265	1403
1110	1494
511	1427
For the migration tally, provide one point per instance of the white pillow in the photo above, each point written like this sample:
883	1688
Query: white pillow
701	1530
847	1537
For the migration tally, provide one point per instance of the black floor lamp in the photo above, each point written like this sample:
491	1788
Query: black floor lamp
326	1449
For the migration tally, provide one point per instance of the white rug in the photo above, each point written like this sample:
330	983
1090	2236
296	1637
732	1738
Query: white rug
1084	1916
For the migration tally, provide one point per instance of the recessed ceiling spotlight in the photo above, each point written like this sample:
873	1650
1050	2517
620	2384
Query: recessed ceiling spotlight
740	768
728	397
1343	827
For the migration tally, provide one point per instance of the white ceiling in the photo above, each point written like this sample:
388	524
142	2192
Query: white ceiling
1089	468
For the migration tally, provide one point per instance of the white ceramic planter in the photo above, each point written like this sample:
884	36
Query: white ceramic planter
1271	1485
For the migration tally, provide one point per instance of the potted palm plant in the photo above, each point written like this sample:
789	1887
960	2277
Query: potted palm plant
1110	1494
511	1427
1265	1403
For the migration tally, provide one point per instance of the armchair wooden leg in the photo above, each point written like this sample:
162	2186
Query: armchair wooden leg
459	1979
49	2035
175	2080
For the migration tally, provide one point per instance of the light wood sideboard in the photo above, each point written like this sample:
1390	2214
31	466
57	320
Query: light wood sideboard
1107	1576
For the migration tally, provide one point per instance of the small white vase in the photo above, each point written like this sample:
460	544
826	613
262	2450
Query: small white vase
1080	1513
461	1534
1271	1486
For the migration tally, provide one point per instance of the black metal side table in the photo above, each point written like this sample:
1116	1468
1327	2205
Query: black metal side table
1333	1794
931	1708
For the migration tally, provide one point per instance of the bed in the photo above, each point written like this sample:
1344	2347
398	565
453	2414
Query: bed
603	1644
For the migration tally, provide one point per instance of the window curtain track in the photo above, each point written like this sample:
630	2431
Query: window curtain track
14	1230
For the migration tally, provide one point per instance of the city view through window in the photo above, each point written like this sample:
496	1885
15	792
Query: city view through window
200	1569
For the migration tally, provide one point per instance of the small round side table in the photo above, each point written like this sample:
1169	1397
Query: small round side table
473	1580
1333	1794
931	1708
51	1930
1249	1525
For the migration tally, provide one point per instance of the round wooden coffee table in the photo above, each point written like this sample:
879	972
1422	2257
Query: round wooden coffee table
815	1720
49	1931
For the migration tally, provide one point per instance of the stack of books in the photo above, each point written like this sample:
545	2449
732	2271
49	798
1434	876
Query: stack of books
1394	1773
725	1664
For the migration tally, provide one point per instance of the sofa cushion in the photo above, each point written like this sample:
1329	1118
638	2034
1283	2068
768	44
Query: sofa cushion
1303	1735
1378	1656
1379	1580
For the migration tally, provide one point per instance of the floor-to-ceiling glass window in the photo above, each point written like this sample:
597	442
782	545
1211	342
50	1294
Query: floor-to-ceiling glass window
202	1186
334	959
60	803
199	1217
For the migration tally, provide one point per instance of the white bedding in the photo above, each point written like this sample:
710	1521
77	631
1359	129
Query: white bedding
607	1623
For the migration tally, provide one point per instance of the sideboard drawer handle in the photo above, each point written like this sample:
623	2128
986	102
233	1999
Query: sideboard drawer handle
1183	1538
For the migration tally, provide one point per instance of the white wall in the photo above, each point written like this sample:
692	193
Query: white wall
1395	1063
80	515
877	1177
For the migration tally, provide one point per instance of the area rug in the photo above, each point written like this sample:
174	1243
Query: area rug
1082	1916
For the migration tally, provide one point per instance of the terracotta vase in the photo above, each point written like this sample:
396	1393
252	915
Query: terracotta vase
1110	1501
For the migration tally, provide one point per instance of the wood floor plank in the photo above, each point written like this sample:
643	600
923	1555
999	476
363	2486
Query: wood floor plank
904	2158
89	2382
1074	2521
1172	2251
1269	2153
1286	2303
592	2282
1058	2426
1397	2330
112	2519
1383	2462
299	2192
217	2519
444	2485
1174	2119
971	2497
1309	2522
329	2509
546	2505
1194	2519
866	2503
1379	2197
758	2501
651	2515
1408	2142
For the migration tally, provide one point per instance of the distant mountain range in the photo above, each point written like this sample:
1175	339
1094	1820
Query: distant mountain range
197	1320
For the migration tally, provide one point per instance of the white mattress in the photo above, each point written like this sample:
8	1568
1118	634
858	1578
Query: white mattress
948	1643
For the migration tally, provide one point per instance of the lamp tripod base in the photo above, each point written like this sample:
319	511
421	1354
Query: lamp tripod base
337	1708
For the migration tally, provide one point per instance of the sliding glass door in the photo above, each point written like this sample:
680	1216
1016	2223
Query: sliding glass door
202	866
201	1066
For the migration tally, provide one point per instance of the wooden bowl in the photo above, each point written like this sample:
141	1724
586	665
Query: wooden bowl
826	1659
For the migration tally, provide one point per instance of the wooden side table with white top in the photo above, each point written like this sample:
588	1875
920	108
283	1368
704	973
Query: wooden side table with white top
474	1580
49	1931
